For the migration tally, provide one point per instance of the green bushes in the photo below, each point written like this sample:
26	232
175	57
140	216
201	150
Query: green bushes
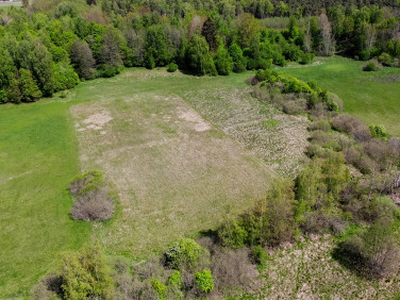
378	131
372	65
270	222
172	67
83	275
204	281
185	253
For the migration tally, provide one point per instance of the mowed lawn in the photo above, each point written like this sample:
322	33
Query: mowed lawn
374	97
38	157
176	172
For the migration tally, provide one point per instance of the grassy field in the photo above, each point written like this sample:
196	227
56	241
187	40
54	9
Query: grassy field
180	150
374	97
175	168
37	159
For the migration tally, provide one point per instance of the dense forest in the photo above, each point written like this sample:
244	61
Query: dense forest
51	45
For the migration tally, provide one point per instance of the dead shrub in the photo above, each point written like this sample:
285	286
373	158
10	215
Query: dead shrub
321	125
395	142
233	268
48	288
381	152
352	125
294	107
95	205
253	80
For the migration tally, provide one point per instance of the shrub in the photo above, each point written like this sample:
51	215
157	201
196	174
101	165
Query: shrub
378	131
364	55
380	208
259	255
270	222
372	65
294	107
95	205
321	125
374	253
184	253
233	269
350	124
385	59
306	58
175	279
159	288
204	281
83	183
172	67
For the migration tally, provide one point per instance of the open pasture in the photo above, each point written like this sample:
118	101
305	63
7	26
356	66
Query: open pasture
374	97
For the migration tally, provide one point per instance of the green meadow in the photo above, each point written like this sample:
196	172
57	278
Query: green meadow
374	97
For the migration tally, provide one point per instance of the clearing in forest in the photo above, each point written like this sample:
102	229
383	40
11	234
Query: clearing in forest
175	173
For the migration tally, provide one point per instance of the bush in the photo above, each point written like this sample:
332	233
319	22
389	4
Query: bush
372	65
175	279
350	124
172	67
306	58
184	253
93	201
259	255
321	125
159	288
378	131
95	205
374	253
83	183
204	281
385	59
233	269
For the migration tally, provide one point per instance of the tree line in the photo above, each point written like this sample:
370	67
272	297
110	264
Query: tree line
50	46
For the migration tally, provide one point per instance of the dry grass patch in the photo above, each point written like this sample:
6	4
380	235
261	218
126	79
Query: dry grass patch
175	172
279	139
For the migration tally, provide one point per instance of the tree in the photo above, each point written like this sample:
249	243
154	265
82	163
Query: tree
238	60
6	73
326	35
248	27
110	52
198	56
223	62
29	89
85	275
210	34
156	47
82	60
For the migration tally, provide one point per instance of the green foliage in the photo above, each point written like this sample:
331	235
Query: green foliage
86	182
184	253
371	66
204	281
260	256
223	62
159	287
378	131
29	89
238	60
199	58
86	275
373	253
268	223
172	67
175	279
